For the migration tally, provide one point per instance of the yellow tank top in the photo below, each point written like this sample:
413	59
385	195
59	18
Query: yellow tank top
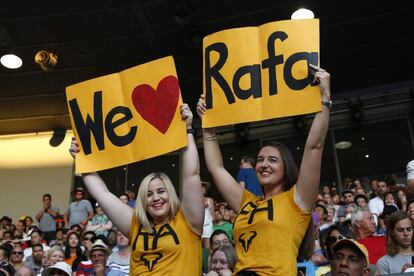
173	249
268	234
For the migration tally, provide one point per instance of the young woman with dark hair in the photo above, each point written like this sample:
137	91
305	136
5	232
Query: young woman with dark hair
269	230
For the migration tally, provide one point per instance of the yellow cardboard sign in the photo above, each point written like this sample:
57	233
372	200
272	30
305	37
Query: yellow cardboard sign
258	73
127	116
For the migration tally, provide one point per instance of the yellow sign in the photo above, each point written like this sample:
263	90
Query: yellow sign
259	73
127	116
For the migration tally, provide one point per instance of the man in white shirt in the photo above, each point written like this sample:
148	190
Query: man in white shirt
376	205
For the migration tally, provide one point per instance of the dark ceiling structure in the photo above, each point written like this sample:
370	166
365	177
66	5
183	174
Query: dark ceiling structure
364	44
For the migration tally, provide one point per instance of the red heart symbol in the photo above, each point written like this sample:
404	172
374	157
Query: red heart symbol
157	107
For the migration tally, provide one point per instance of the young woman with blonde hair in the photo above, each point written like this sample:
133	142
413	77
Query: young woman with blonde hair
164	232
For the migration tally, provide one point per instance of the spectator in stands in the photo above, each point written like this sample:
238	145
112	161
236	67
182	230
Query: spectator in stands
5	254
25	271
348	197
392	198
219	238
359	191
410	210
361	201
80	210
19	232
220	223
120	259
289	195
327	199
59	237
36	261
333	234
28	222
331	217
77	229
208	216
399	245
7	236
223	261
124	198
350	258
364	229
46	218
159	210
5	222
402	195
55	255
383	218
131	195
100	222
99	256
376	205
247	176
410	179
88	238
73	248
16	258
322	212
36	237
58	269
373	183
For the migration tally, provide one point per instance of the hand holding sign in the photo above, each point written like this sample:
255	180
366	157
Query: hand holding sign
187	115
324	79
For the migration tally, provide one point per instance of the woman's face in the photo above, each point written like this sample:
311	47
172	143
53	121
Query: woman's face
158	201
402	196
124	199
269	166
219	261
361	202
28	221
73	241
57	256
389	199
19	226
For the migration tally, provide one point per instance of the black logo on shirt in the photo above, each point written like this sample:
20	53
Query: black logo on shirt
246	239
151	259
252	209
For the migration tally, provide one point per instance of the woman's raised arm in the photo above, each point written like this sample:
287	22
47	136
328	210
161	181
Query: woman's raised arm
307	186
117	211
229	188
192	199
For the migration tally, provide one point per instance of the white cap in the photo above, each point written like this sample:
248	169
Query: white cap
59	265
410	170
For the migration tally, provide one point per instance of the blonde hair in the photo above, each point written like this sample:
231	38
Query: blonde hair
54	249
140	207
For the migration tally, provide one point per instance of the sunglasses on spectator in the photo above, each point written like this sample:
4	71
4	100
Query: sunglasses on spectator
333	240
17	252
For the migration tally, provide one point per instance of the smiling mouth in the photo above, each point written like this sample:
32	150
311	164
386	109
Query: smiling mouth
157	205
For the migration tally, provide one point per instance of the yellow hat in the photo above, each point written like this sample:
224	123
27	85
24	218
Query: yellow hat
360	247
